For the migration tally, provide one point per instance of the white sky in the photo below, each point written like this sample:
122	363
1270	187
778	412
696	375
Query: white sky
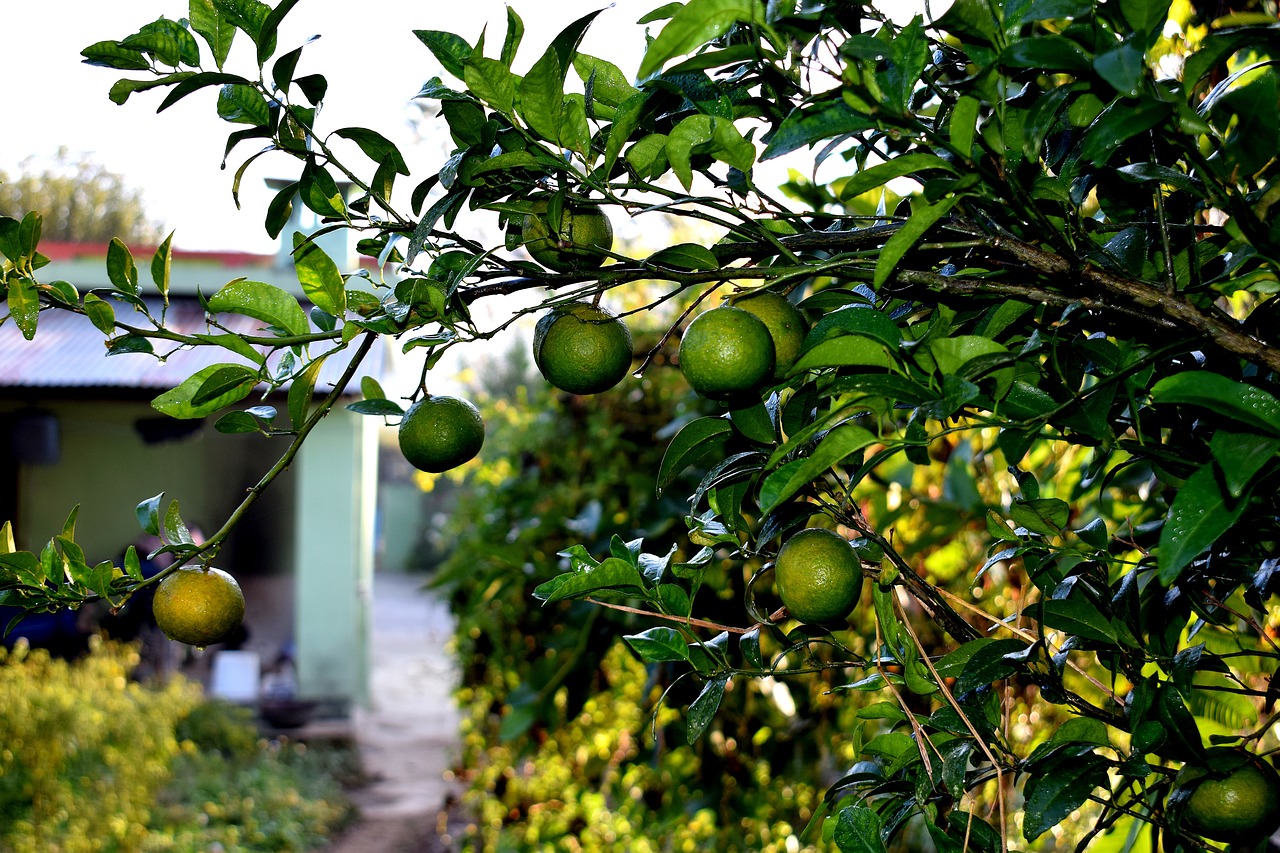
374	63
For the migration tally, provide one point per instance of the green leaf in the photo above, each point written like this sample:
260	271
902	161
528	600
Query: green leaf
703	709
1119	122
492	82
1145	17
100	313
121	270
841	442
248	15
698	440
612	573
881	174
235	344
382	408
261	301
122	89
319	276
223	381
300	392
375	146
1051	52
1046	516
236	423
24	305
1057	788
859	830
1081	730
161	262
148	513
241	104
1201	512
843	351
110	54
214	27
269	28
685	256
805	126
451	50
608	84
196	82
923	217
1124	67
1241	455
908	53
963	124
542	96
658	644
180	402
1228	397
710	135
756	422
1079	618
175	529
515	34
695	24
858	320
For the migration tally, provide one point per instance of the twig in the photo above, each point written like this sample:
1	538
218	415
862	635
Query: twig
683	620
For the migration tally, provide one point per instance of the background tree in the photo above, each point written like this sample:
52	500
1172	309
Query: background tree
1037	398
78	200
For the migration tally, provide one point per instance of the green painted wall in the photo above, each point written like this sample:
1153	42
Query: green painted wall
333	575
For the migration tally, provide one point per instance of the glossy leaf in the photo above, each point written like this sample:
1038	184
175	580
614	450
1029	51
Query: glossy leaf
261	301
612	573
1201	512
319	276
24	305
805	126
1054	791
703	709
695	24
923	217
696	441
838	445
301	390
858	830
121	270
1239	401
180	402
685	256
659	644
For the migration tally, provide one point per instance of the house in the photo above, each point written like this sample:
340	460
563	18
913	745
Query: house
77	427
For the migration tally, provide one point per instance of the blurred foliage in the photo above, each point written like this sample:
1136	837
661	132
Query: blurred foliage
79	200
94	762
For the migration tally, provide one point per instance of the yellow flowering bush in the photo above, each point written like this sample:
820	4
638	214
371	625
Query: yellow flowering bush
85	751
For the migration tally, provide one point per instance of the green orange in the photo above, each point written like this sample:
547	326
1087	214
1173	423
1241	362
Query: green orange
582	241
818	575
198	605
581	348
786	325
1237	802
441	432
726	353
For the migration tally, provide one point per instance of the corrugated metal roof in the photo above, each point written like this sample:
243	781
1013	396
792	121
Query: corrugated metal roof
68	352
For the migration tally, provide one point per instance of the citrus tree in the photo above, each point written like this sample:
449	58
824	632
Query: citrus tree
1028	337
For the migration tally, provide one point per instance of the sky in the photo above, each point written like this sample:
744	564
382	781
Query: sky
374	63
367	50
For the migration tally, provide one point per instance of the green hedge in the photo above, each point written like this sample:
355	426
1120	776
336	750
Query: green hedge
94	762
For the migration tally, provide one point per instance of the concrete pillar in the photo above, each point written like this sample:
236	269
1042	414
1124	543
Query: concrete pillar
333	570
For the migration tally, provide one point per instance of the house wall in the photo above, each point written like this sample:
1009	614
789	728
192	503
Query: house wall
105	465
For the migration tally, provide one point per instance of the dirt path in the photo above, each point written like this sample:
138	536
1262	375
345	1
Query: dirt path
408	735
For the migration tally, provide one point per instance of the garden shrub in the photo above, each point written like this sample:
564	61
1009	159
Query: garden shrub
92	761
86	751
